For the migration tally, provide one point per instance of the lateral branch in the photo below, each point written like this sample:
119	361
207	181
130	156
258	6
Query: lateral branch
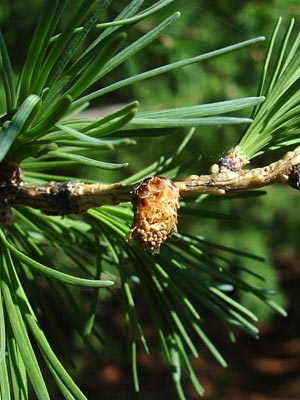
75	197
284	171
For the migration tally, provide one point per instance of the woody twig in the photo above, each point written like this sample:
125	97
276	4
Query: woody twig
75	197
284	171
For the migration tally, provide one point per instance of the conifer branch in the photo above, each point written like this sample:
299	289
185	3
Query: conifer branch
284	171
75	197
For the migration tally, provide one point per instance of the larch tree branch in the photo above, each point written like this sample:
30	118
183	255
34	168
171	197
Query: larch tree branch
76	197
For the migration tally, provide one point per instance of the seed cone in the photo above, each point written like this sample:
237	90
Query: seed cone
155	202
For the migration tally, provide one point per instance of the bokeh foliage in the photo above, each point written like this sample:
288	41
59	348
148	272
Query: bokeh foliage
191	268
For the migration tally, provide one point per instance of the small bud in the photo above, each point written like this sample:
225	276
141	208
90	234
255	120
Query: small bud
233	161
294	177
155	203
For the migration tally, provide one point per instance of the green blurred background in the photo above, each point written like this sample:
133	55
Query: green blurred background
267	225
